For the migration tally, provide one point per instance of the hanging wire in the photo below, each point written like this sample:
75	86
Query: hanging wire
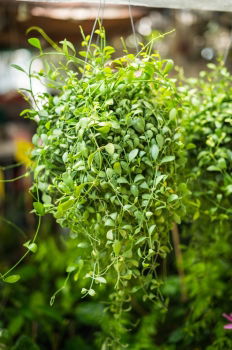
101	18
133	27
103	11
228	48
91	35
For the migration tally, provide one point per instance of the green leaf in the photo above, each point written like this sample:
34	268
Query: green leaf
65	157
117	168
71	268
154	151
114	215
90	159
78	189
67	178
229	189
122	180
83	54
91	292
65	205
139	124
109	102
138	178
67	44
222	163
151	229
144	185
140	240
110	235
20	69
84	290
35	42
31	246
83	245
110	148
167	159
104	129
128	275
46	199
213	168
100	279
39	208
159	178
160	140
173	114
109	172
168	66
109	222
30	112
134	190
172	197
133	154
117	247
12	279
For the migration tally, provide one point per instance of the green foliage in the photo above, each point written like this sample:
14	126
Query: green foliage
25	343
106	157
12	279
208	135
25	308
108	165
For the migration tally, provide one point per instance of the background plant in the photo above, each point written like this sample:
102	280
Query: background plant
208	130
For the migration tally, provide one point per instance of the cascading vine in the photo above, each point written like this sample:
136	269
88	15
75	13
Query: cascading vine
107	152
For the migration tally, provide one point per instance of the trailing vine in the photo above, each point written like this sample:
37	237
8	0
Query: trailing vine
106	157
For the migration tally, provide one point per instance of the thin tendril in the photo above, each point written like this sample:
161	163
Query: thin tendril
53	297
10	166
16	178
25	255
13	225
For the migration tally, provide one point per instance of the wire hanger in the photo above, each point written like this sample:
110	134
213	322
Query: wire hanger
133	27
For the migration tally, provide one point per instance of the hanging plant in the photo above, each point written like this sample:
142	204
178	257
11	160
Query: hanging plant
207	126
107	153
208	134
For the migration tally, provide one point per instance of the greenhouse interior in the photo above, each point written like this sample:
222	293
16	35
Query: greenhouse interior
115	175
